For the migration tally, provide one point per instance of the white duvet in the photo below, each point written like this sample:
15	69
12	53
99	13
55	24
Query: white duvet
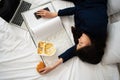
18	60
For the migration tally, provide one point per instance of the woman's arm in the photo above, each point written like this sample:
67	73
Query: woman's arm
48	69
63	12
68	54
62	58
67	11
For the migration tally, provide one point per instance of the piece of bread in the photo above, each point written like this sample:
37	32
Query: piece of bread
46	48
49	48
41	46
40	66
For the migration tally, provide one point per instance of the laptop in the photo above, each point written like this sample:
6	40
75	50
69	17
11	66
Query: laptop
23	6
17	18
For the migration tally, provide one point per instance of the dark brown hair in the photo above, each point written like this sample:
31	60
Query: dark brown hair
93	53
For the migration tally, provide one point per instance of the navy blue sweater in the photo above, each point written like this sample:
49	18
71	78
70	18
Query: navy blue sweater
90	17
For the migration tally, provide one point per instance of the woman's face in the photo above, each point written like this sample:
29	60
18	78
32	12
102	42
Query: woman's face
83	41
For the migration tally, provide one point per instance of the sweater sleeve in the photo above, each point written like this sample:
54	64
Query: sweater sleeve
68	54
66	11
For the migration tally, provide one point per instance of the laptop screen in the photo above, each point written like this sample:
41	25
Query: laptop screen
8	8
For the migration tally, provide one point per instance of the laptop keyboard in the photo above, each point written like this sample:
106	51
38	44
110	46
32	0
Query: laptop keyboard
18	19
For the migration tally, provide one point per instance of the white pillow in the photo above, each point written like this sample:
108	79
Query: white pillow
113	6
112	51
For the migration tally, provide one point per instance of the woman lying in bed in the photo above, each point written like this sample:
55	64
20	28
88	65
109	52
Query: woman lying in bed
89	34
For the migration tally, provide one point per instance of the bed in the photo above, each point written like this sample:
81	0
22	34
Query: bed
18	58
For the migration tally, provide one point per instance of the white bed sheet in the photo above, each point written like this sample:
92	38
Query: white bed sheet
17	53
18	60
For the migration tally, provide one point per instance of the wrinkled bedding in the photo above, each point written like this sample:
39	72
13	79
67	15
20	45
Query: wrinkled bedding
18	60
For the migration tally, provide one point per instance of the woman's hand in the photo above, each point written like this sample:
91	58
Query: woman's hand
45	70
48	69
46	14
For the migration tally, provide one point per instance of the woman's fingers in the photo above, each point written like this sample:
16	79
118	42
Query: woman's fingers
45	70
42	13
46	14
41	70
